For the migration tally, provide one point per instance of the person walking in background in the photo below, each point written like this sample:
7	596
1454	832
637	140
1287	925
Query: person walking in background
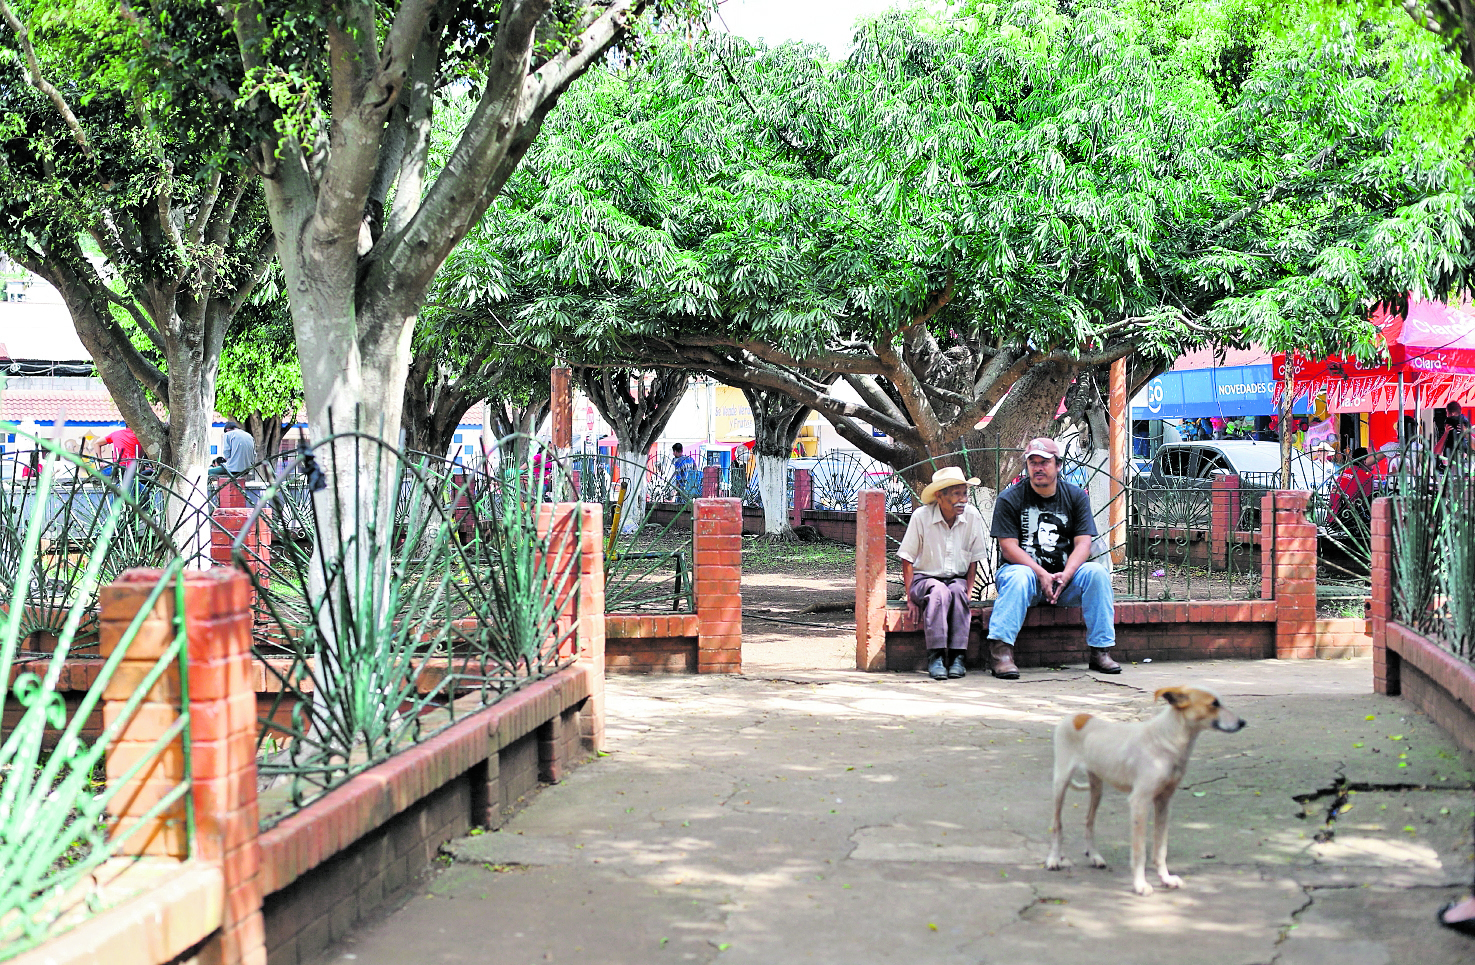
239	449
683	469
944	542
125	448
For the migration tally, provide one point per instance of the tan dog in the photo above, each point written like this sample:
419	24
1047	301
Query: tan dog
1145	759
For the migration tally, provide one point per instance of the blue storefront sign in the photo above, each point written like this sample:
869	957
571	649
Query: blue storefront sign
1232	390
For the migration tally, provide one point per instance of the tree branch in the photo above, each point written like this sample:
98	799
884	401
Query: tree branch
38	81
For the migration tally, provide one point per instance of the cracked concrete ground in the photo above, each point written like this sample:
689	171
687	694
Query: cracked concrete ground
838	817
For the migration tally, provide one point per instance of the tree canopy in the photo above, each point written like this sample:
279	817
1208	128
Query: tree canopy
132	203
966	214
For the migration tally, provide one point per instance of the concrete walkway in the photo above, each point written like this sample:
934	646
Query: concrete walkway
848	818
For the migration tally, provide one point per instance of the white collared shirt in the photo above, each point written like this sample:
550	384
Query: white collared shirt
936	549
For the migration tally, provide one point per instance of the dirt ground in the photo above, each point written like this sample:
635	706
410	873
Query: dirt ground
798	606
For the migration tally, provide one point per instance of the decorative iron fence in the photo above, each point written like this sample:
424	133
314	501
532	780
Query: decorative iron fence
61	815
648	544
396	594
1169	546
1434	549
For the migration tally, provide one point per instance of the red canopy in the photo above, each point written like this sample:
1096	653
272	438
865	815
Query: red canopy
1433	348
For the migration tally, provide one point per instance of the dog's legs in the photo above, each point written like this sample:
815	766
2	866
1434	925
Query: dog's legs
1160	840
1092	854
1062	784
1140	801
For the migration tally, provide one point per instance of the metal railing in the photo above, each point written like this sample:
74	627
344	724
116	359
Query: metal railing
649	553
60	817
1433	578
380	624
1168	548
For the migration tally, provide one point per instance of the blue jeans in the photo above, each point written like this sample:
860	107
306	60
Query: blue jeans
1089	589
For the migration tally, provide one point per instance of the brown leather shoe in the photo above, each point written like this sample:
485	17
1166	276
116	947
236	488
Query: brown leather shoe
1003	660
1101	662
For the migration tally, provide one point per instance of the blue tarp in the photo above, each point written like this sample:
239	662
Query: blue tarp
1231	390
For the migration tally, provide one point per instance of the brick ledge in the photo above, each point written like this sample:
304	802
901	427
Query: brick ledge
1453	674
156	926
1127	612
367	801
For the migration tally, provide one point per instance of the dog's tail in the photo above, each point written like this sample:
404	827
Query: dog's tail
1078	781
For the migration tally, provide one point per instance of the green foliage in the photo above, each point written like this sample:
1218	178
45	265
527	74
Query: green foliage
1114	173
259	370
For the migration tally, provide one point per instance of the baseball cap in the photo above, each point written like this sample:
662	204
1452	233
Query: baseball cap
1043	447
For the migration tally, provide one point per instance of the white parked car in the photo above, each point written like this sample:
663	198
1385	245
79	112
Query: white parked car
1175	489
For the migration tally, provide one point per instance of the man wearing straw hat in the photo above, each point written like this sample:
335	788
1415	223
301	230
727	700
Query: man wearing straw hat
944	542
1044	526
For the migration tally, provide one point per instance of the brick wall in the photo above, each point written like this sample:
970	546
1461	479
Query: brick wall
1056	636
1281	624
327	864
708	641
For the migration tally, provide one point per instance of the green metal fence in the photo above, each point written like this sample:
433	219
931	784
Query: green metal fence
1167	549
1433	503
648	546
58	820
396	594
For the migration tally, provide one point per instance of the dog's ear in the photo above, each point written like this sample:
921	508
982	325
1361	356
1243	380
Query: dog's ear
1176	696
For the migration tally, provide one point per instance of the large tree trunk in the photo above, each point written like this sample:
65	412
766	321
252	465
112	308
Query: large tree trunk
773	490
638	406
268	431
521	422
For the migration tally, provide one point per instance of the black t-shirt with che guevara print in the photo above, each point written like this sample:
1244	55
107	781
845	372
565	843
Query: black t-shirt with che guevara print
1045	527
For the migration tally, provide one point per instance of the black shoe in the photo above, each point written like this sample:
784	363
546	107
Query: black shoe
956	668
935	665
1101	662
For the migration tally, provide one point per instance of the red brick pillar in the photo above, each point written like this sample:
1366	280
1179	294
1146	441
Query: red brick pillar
222	728
803	496
231	495
870	581
1386	663
718	547
591	624
558	524
711	482
257	545
1293	575
1223	518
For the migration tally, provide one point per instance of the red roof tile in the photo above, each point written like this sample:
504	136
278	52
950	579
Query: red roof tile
18	405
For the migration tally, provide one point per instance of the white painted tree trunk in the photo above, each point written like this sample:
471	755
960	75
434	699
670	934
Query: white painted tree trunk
637	479
773	485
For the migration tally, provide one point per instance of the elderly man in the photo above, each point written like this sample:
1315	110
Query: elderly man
1044	527
940	552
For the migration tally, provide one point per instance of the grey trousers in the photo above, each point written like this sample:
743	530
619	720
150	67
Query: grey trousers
945	614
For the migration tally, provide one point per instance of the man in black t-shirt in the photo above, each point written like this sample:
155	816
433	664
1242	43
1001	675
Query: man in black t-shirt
1044	526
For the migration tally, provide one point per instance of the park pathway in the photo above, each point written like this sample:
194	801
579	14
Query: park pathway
837	817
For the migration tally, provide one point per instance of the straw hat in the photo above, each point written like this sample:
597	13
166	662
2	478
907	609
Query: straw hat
945	478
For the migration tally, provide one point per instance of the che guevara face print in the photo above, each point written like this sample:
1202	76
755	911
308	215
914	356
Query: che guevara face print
1044	538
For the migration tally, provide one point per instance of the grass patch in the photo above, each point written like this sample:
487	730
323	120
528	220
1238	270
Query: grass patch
759	554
